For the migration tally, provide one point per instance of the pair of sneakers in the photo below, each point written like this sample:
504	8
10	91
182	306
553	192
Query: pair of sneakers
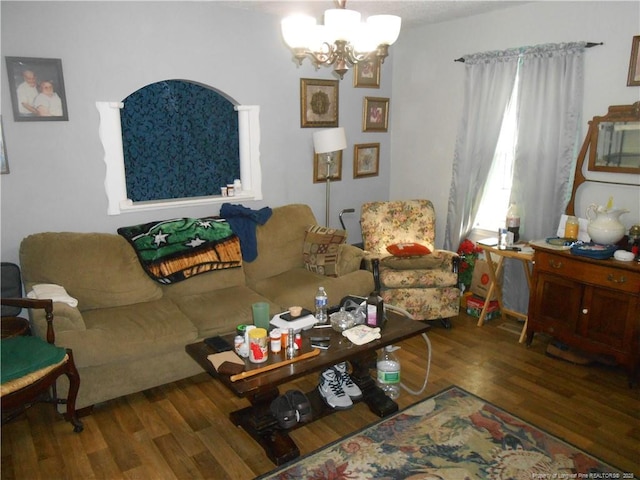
291	408
337	388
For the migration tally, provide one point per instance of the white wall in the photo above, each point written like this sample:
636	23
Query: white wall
109	50
428	87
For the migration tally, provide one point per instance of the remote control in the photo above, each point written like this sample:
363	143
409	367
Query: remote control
218	343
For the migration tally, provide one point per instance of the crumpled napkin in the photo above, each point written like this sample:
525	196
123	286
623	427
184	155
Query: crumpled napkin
57	293
361	334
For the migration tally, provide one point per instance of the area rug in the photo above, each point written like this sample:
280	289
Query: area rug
452	435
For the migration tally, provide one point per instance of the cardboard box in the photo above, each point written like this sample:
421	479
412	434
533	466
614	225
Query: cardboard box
475	305
481	280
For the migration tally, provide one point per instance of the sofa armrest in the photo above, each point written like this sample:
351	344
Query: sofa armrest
65	318
349	259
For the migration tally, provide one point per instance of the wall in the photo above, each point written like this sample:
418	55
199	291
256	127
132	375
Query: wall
109	50
425	120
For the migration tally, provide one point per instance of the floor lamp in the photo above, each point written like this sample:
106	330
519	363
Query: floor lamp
329	141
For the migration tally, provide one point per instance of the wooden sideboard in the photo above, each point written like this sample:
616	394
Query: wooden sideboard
592	305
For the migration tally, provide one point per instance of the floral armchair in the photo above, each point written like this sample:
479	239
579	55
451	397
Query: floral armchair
424	284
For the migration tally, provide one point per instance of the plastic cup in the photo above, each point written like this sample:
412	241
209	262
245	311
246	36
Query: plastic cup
261	315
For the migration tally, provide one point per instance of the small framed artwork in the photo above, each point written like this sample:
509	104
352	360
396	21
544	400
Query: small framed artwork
4	162
318	103
366	73
37	89
375	114
320	164
633	80
366	160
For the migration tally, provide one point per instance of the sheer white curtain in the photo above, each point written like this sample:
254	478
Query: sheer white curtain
551	83
549	107
488	85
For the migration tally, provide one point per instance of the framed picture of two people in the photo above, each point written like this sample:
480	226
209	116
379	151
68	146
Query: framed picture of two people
37	89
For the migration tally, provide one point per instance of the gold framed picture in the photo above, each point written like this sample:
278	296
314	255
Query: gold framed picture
320	166
366	74
375	114
366	160
318	103
633	80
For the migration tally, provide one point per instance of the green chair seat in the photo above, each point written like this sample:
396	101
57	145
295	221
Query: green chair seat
21	356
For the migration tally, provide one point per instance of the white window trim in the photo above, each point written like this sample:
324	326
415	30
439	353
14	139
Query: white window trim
110	133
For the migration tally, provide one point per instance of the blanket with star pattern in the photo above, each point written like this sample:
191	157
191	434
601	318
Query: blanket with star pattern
174	250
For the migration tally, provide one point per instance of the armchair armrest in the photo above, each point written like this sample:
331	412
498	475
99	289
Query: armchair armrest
36	304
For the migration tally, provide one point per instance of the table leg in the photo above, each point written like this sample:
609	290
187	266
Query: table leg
494	274
258	422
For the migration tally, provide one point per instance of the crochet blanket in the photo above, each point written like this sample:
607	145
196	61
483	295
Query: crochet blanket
174	250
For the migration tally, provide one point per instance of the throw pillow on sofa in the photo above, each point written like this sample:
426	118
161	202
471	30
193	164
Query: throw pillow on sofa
320	249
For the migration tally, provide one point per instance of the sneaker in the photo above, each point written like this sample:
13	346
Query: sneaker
300	403
285	413
331	390
347	384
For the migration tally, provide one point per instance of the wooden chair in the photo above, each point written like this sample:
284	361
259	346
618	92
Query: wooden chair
30	367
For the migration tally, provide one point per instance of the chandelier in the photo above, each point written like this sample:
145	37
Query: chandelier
343	40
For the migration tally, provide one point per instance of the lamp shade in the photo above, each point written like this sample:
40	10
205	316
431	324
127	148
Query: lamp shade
329	140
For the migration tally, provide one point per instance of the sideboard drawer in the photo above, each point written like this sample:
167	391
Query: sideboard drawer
599	275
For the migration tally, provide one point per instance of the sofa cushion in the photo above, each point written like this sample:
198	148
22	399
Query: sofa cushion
129	332
98	269
320	249
298	286
280	242
219	311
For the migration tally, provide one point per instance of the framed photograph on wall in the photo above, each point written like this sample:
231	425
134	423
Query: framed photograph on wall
366	74
633	80
366	160
318	103
375	114
37	89
320	167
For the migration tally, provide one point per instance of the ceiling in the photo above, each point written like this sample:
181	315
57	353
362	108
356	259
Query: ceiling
412	12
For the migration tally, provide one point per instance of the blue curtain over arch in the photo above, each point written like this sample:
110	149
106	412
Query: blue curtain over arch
180	140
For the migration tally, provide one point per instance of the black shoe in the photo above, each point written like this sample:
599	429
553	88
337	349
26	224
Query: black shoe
300	403
285	413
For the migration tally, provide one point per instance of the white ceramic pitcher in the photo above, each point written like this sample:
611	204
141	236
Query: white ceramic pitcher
604	225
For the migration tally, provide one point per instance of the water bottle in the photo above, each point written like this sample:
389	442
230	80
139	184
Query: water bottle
321	306
389	372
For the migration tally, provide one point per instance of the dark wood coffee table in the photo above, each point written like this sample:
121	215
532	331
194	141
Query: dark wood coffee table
262	388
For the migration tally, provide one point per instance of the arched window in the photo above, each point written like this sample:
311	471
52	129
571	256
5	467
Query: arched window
175	143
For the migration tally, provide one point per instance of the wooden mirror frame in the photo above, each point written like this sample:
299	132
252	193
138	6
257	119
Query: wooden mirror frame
616	113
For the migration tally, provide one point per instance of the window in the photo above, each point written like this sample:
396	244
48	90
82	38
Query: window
162	172
495	199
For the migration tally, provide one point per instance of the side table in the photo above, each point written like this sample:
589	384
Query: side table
495	271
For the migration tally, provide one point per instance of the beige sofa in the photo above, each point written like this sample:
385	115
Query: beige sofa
128	332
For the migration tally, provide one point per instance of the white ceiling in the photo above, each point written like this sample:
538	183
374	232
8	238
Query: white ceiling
413	12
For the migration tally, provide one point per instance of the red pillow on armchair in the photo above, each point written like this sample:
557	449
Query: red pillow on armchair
408	249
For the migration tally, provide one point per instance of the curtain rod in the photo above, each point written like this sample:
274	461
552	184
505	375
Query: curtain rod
588	45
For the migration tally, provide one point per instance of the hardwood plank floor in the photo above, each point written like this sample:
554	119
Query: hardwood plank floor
182	431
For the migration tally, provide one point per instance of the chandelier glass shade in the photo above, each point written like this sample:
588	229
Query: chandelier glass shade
343	40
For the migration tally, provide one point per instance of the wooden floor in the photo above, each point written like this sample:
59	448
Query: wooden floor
181	430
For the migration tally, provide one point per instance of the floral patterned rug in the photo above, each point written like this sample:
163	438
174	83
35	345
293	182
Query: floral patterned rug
452	435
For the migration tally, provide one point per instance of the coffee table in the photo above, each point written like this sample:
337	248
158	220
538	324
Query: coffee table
262	388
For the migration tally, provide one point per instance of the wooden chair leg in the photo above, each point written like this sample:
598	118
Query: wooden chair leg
74	385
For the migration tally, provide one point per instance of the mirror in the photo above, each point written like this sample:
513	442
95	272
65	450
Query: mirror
615	140
612	145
